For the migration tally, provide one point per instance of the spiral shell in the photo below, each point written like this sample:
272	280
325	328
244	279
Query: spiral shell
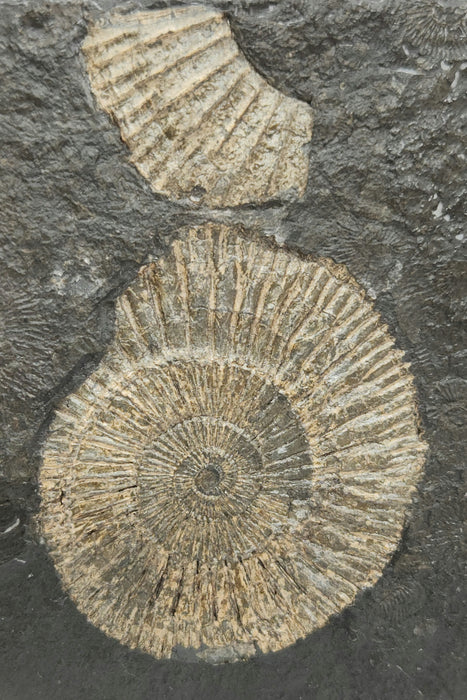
436	27
200	122
238	467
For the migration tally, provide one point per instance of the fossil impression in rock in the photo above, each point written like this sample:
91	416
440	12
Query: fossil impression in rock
25	345
239	465
199	121
436	27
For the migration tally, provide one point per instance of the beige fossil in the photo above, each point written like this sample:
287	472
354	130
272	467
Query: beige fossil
199	121
239	465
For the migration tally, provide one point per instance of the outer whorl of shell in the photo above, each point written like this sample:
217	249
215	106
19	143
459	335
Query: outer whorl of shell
239	465
436	27
198	119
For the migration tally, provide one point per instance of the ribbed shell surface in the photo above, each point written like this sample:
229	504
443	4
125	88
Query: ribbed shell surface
199	121
239	465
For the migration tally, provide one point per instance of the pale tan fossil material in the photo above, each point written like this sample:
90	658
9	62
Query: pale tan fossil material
239	465
199	121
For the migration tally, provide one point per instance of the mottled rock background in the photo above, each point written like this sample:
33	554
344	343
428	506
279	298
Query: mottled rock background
386	196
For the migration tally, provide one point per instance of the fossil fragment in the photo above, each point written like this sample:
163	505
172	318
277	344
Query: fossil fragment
239	465
25	332
200	122
436	27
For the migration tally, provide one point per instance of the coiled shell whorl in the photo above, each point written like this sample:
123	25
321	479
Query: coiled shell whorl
239	465
436	28
199	121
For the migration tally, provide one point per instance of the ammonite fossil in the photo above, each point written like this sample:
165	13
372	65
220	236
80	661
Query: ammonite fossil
200	122
239	465
435	27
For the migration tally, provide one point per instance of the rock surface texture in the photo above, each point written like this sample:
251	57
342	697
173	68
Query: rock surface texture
385	197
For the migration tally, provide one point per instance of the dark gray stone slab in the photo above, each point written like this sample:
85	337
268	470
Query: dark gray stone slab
386	196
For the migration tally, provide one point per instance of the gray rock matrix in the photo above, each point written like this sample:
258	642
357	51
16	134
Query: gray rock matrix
385	196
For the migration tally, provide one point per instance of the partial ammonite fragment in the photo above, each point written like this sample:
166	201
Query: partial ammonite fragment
436	28
200	122
239	465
